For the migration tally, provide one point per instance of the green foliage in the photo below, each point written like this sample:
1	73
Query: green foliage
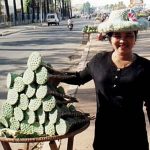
27	4
86	7
89	29
142	15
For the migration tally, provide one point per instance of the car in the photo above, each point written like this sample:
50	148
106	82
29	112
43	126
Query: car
52	18
148	18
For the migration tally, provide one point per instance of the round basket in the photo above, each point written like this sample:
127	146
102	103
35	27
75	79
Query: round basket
47	138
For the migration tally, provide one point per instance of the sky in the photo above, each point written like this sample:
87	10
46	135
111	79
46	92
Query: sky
105	2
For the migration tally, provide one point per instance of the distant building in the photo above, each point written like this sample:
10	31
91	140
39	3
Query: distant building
134	3
76	9
137	5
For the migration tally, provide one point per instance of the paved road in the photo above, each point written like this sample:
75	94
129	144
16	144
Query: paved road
58	46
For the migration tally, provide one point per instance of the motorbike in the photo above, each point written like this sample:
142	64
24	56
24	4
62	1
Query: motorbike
70	26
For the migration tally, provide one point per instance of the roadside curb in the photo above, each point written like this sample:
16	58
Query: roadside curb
12	30
7	32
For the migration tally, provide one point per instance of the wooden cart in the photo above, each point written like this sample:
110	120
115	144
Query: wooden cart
85	37
51	139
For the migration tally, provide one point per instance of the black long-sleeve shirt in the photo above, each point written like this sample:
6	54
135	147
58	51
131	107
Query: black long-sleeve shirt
120	95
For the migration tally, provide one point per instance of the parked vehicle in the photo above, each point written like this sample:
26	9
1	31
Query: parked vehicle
52	18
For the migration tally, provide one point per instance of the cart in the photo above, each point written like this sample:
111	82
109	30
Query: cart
51	139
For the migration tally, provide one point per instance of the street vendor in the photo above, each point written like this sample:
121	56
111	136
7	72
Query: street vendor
121	79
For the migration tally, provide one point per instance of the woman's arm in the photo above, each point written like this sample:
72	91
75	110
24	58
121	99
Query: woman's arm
75	78
78	78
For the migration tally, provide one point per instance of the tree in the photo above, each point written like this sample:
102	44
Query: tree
68	9
1	6
7	10
38	10
86	8
22	9
32	4
15	11
27	5
44	9
55	5
63	9
47	3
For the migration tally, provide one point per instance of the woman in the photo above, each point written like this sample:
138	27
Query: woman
121	79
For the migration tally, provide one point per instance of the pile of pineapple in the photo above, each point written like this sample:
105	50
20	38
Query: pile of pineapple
36	107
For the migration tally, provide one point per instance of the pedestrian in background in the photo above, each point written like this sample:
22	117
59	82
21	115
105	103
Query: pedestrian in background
70	22
121	79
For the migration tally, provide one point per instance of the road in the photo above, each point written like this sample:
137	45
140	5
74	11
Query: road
57	45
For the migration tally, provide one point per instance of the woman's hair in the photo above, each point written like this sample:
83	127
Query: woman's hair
109	35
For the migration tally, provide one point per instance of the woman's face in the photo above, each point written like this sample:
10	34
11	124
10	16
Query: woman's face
123	42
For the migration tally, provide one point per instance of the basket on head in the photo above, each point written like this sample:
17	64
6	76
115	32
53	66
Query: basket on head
123	20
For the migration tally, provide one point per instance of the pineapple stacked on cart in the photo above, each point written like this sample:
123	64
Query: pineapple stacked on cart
37	108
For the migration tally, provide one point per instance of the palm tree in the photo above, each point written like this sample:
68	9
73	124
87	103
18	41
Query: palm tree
44	9
55	3
38	10
7	10
1	6
51	5
70	8
47	3
22	9
15	11
33	10
63	9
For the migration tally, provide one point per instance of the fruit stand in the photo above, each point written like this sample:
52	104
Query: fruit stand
51	139
86	32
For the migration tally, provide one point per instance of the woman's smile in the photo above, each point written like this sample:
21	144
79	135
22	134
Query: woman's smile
123	46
